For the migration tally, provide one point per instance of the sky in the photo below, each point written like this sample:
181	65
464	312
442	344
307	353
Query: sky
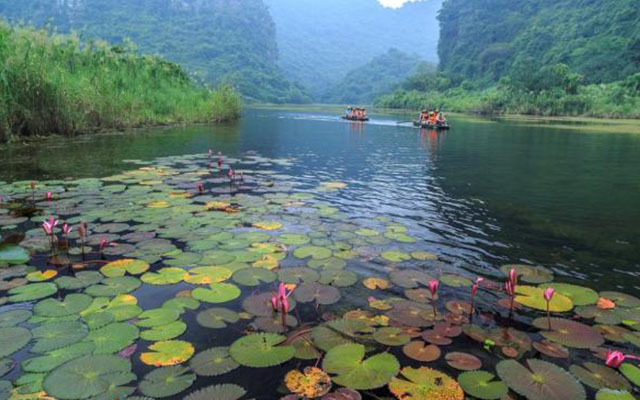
395	3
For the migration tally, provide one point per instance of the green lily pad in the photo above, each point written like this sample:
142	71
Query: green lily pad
541	380
157	317
253	276
114	286
579	295
165	276
217	318
315	252
298	275
261	350
455	281
395	256
13	339
73	304
315	292
14	317
609	394
599	376
164	332
182	304
327	263
6	365
631	372
410	278
339	278
294	239
57	335
32	291
213	362
423	255
217	293
13	254
55	358
227	391
533	297
88	376
81	280
113	337
622	299
168	352
529	273
391	336
480	384
122	267
166	381
353	371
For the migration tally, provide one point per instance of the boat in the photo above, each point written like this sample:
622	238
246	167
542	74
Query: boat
355	118
427	125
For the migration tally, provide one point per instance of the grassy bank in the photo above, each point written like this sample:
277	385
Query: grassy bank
614	100
55	84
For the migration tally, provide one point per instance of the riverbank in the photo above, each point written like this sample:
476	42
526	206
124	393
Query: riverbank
617	100
57	85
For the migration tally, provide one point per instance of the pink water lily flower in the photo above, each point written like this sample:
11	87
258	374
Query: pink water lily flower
616	358
548	294
104	243
66	229
219	160
474	287
433	287
513	277
200	187
230	173
509	288
50	225
49	196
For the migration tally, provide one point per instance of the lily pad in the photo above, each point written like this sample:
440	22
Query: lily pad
14	317
391	336
315	292
410	278
226	391
254	276
569	333
481	385
421	351
298	275
166	353
13	254
57	335
632	373
312	382
353	371
88	376
55	358
207	275
81	280
114	286
463	361
315	252
73	304
529	273
167	381
113	337
395	256
425	383
213	362
533	297
540	380
608	394
261	350
165	276
124	266
157	317
217	293
338	278
33	291
164	332
13	339
41	276
294	239
599	376
579	295
217	318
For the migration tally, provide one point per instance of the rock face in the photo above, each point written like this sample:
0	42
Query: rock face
217	40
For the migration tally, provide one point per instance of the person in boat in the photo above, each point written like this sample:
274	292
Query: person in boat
364	114
423	116
348	111
440	119
432	118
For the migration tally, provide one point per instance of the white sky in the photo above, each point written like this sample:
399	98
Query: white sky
395	3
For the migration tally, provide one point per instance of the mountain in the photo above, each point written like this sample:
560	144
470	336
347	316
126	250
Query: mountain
220	41
483	40
321	40
382	74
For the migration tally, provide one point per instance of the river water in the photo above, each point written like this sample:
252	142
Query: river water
483	194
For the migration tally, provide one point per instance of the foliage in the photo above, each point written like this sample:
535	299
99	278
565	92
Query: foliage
220	41
380	75
55	84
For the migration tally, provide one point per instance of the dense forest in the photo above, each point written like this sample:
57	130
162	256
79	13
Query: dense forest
56	84
320	41
220	41
382	74
534	56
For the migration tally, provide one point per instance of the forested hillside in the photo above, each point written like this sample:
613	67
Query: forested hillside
544	57
484	39
218	40
382	74
321	40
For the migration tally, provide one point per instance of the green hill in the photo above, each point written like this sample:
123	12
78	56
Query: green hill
219	41
320	41
382	74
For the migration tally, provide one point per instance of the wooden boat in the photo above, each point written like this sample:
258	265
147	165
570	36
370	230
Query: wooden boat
355	118
427	125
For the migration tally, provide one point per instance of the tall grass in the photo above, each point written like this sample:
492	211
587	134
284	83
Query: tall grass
55	84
